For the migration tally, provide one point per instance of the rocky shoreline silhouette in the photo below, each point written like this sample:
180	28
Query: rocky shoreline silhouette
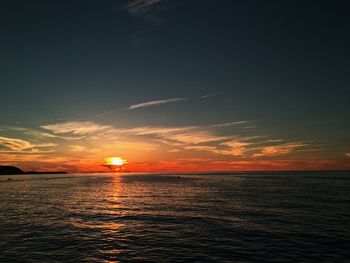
10	170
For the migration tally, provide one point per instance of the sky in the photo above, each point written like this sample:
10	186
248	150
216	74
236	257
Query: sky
171	85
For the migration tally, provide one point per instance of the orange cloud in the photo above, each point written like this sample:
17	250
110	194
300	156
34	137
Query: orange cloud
75	127
15	144
19	145
279	149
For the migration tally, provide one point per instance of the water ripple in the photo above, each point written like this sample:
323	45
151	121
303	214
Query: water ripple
176	218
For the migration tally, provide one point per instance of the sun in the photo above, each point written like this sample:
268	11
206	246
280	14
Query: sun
115	161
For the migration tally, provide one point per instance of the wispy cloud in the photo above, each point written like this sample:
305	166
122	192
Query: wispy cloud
279	149
209	95
76	127
198	138
99	140
44	135
236	151
155	130
77	148
15	144
227	124
142	6
9	144
232	147
148	10
154	103
250	147
187	135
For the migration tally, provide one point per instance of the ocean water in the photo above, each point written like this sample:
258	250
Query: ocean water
239	217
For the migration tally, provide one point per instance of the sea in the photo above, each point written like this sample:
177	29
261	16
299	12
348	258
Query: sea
178	217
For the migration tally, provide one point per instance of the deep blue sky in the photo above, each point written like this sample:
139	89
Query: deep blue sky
283	64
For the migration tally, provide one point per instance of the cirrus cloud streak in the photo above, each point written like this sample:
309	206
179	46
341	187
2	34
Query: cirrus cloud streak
154	103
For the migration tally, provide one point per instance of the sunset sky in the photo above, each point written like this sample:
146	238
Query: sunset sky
171	85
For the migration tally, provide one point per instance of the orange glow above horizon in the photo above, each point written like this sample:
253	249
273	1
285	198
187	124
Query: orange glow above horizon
159	149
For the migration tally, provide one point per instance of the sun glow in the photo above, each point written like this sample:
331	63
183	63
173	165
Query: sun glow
115	161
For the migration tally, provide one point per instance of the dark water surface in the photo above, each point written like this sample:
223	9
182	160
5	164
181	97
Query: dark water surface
242	217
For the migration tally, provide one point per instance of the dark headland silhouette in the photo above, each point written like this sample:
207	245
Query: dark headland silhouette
8	170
